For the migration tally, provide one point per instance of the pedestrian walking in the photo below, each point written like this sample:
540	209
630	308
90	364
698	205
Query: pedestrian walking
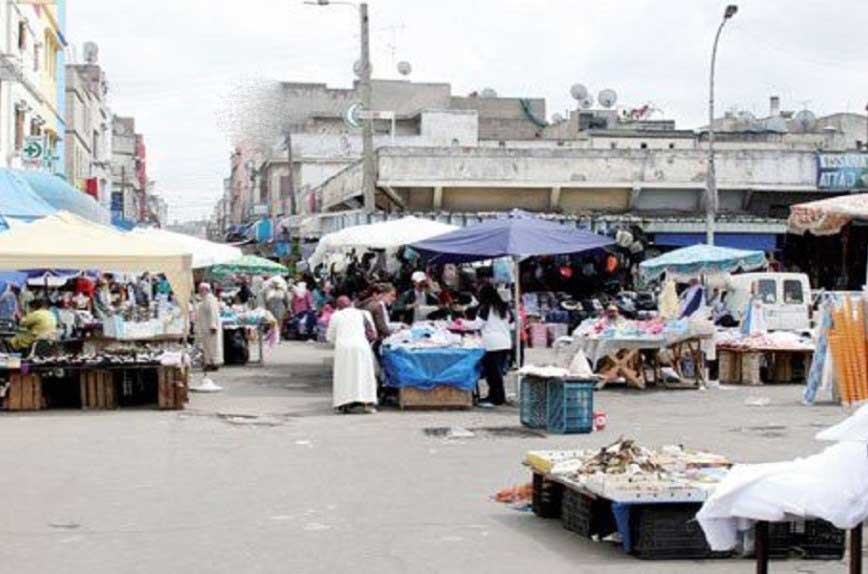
208	332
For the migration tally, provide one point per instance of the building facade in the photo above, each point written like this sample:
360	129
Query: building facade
32	86
89	129
129	175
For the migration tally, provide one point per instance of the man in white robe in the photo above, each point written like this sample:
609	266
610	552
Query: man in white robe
354	383
209	335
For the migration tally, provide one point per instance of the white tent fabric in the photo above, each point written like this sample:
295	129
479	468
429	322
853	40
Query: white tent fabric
205	253
385	235
67	241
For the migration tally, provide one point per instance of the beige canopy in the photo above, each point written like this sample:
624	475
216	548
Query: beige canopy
828	216
66	241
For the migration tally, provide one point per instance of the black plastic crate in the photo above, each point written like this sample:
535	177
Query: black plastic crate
668	532
547	496
811	539
585	515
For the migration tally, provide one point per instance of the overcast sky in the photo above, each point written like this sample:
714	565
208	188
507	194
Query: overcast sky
170	62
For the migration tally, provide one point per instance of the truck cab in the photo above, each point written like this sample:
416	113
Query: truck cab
787	298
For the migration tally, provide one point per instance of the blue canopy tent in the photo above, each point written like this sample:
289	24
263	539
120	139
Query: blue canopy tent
702	259
18	200
57	193
518	236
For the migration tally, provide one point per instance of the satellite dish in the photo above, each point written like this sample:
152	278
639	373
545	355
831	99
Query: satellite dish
488	93
579	92
357	68
557	118
587	102
607	98
776	124
404	68
91	52
806	120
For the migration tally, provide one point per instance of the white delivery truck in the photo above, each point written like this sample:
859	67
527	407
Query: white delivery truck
787	298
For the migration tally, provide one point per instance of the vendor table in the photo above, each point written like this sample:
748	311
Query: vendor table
638	360
741	365
97	385
439	377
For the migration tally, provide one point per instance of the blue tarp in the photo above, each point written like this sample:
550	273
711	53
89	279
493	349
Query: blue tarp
519	235
428	368
57	193
698	259
750	241
18	200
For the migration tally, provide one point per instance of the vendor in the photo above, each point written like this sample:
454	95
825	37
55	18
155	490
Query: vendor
38	324
495	320
382	296
612	318
411	305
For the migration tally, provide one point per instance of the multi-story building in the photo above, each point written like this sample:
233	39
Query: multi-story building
129	175
89	128
32	85
324	136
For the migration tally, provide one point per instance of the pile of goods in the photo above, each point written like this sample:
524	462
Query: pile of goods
432	334
781	340
627	471
116	356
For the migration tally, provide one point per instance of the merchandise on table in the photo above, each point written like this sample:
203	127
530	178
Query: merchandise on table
625	471
776	340
431	335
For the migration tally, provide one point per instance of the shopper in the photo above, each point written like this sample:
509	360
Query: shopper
208	331
495	320
354	382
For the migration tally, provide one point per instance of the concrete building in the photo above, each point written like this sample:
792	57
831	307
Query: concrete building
32	72
326	136
158	210
89	128
129	172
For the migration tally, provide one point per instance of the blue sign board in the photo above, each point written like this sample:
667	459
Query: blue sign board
842	171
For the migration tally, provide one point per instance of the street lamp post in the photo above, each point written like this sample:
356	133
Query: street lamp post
711	199
368	164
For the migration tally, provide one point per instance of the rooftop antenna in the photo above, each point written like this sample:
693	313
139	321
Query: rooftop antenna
607	98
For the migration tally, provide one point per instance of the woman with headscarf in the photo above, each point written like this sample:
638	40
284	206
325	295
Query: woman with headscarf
354	382
303	310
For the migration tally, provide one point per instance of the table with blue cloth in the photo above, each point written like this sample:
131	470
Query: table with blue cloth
427	368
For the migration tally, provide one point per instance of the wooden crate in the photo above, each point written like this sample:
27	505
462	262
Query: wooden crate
172	388
729	367
97	390
24	393
782	367
750	368
442	397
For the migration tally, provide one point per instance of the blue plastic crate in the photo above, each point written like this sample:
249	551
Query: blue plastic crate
570	406
532	402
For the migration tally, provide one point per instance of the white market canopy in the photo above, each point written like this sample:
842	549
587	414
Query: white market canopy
828	216
386	235
67	241
205	253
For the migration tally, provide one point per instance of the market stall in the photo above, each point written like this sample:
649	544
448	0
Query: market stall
635	351
432	366
205	253
389	235
646	501
777	357
66	241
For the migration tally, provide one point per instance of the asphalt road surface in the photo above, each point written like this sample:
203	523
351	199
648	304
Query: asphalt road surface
263	478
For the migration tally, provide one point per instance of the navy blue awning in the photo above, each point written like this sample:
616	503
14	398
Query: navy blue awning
749	241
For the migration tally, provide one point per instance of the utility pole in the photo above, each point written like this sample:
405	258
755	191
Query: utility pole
368	166
711	199
290	181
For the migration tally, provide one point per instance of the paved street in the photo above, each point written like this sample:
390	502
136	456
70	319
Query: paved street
264	478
